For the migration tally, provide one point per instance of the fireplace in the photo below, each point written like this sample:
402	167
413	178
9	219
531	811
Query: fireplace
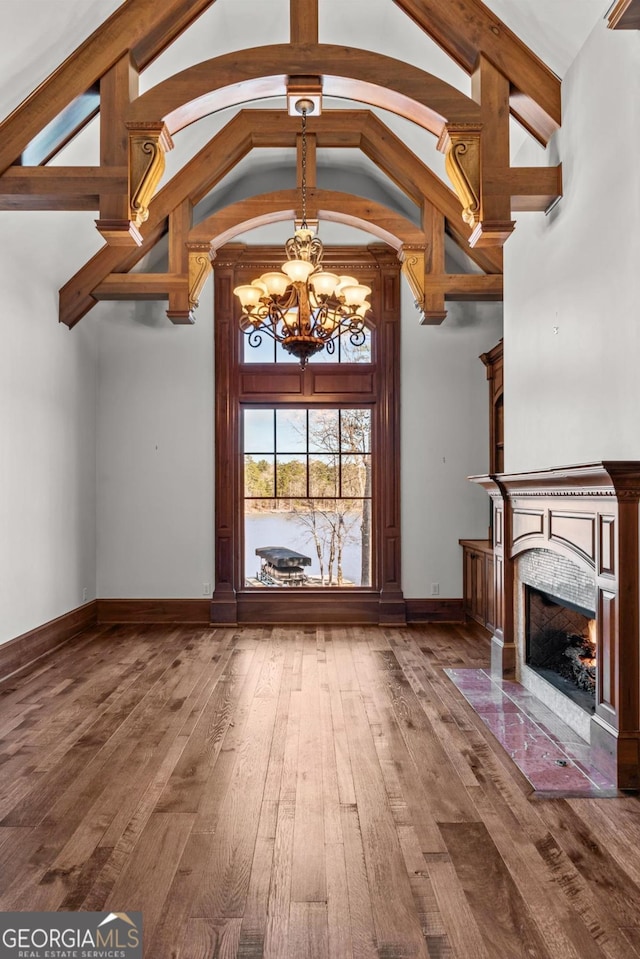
560	645
567	583
555	635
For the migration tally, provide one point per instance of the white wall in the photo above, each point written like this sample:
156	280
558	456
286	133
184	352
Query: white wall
106	432
155	448
445	438
47	427
155	451
572	396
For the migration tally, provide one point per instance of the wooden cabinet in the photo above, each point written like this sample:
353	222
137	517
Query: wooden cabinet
478	587
493	361
479	594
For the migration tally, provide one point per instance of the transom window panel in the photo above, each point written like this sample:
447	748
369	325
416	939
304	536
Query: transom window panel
341	350
307	489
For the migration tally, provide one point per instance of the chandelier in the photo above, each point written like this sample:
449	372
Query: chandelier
304	307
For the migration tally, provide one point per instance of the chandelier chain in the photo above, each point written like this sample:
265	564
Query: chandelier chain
304	168
303	307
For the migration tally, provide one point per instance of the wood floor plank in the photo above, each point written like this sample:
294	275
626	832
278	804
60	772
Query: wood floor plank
502	915
272	786
588	927
254	920
563	932
617	826
268	792
397	928
308	931
225	880
309	880
21	863
145	882
188	781
220	775
182	894
346	790
277	932
465	937
449	800
433	926
363	935
338	918
208	939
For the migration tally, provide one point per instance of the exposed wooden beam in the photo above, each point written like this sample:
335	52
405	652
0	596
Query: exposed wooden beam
303	19
418	181
467	28
59	188
466	286
221	154
490	88
534	189
625	15
140	286
180	220
195	180
433	224
237	78
118	87
389	226
144	26
333	128
363	129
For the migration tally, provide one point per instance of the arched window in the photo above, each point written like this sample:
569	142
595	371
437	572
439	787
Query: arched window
307	461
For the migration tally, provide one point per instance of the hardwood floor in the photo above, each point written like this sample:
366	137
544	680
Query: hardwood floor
298	792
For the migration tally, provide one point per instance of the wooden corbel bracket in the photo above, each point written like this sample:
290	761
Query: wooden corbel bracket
414	266
148	143
199	268
460	144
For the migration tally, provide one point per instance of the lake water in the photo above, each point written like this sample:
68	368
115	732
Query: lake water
282	529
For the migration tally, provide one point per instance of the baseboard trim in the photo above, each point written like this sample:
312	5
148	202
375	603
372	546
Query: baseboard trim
30	646
253	609
188	611
264	607
435	611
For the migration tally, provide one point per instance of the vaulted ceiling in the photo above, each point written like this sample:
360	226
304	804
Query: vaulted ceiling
422	106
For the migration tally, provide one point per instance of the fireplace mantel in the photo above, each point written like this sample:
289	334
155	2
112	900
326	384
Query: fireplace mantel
589	514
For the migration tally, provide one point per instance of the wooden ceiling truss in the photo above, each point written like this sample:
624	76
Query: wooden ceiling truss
136	131
625	15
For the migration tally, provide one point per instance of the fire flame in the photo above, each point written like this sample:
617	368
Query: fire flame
591	638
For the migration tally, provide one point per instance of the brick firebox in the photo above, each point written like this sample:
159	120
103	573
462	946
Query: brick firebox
588	514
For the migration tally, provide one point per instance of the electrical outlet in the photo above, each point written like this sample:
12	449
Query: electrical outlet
84	595
206	589
435	589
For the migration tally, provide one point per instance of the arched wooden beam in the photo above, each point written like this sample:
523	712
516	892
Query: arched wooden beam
430	284
237	78
201	174
467	30
374	218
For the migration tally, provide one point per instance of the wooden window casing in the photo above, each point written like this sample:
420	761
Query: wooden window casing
375	385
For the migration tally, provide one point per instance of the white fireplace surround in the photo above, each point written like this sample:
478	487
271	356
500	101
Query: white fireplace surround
559	577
